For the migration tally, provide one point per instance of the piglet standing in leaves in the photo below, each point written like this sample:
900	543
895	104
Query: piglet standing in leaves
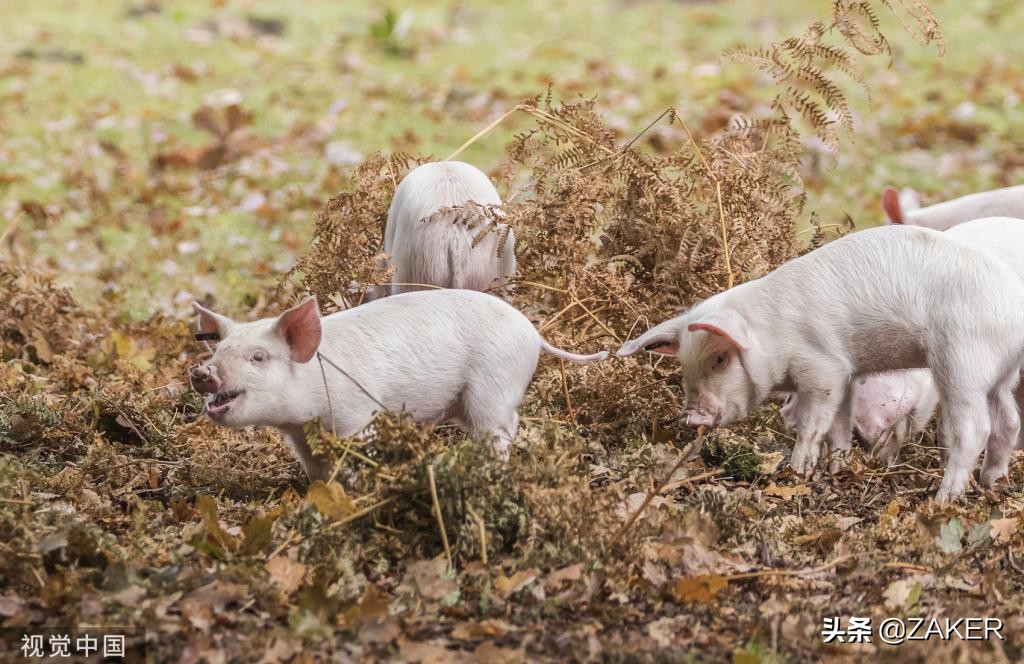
882	299
429	244
438	355
903	207
902	402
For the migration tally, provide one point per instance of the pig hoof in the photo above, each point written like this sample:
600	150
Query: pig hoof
836	464
990	477
948	496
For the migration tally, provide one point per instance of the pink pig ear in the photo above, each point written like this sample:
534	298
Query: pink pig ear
727	325
300	327
211	322
891	205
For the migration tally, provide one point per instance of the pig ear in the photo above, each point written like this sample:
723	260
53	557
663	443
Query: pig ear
727	325
891	205
662	339
211	322
300	327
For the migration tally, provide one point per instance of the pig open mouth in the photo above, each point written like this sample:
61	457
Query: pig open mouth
221	402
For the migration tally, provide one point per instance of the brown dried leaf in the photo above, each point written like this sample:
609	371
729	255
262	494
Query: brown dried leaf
703	588
1003	529
787	492
505	585
330	500
286	574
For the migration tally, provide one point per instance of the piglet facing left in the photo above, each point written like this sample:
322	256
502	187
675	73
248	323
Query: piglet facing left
882	299
438	355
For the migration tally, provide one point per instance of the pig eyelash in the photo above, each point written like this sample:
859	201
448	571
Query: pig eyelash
258	356
719	361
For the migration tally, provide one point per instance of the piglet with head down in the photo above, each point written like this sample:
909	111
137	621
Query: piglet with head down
883	299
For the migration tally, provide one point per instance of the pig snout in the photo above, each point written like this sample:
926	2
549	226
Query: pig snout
204	378
696	418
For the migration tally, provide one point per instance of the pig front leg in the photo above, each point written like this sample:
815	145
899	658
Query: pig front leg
314	465
816	412
840	434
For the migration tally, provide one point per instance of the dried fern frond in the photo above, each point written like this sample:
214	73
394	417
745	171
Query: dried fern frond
801	65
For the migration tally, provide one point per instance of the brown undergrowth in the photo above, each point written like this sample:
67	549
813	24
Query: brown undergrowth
613	532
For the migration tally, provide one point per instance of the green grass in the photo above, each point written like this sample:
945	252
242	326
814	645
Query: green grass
458	66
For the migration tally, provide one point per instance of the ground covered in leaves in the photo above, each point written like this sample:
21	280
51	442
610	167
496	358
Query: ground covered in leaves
226	151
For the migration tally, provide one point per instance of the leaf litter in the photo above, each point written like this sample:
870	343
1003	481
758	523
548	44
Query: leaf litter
613	532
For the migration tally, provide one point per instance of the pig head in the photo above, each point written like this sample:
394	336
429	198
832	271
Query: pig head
251	379
717	353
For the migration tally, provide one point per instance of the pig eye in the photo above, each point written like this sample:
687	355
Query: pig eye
719	360
258	356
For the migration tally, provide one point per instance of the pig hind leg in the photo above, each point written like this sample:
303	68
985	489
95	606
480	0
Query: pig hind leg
966	422
490	414
1019	397
1005	429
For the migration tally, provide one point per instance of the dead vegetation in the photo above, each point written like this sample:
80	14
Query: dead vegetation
611	534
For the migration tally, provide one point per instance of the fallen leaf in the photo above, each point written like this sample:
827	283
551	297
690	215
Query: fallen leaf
701	588
902	594
566	574
330	500
666	631
423	652
201	605
256	535
507	585
286	574
432	578
488	653
787	492
207	506
470	631
950	536
1003	529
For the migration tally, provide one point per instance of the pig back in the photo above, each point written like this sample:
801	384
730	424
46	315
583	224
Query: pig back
882	297
1006	202
420	350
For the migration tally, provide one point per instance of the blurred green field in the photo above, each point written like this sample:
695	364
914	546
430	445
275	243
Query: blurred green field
94	96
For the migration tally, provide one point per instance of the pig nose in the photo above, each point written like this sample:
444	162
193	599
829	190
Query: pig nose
697	419
204	378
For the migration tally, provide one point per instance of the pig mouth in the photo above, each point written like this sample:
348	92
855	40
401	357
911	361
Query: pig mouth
221	402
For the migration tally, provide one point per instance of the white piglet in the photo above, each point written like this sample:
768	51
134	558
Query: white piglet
882	299
902	402
438	355
903	207
430	249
